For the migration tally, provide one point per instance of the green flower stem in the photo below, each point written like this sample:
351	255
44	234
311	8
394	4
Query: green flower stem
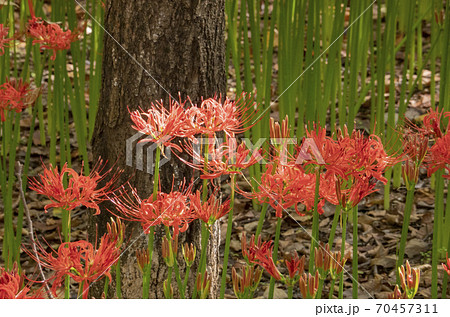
290	292
228	239
436	227
169	278
204	231
355	253
319	290
275	256
334	225
315	226
445	280
66	235
146	278
151	235
80	290
262	216
118	280
106	287
447	223
186	278
387	189
330	294
175	265
406	218
344	232
178	278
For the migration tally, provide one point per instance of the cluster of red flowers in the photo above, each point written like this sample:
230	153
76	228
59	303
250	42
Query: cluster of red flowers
175	209
16	95
12	286
80	189
348	168
50	35
439	152
227	159
417	150
209	117
4	40
82	261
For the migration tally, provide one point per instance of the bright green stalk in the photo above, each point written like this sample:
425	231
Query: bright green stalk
445	280
118	280
262	216
315	225
228	238
290	291
186	278
275	256
106	287
169	280
355	252
151	235
334	225
406	218
330	295
438	210
205	232
344	232
66	234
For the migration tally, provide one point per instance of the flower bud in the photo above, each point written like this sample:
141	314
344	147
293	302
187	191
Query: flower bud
169	249
143	258
409	279
188	253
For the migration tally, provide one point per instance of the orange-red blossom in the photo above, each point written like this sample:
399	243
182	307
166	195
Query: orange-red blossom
170	209
80	260
11	285
80	189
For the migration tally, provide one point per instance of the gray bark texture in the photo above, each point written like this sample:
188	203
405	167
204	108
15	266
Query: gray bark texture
154	48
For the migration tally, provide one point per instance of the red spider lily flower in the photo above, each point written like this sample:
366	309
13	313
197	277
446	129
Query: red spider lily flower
227	159
81	261
319	149
214	116
160	124
365	156
16	95
170	209
284	186
4	40
263	255
209	211
80	190
116	230
309	284
248	249
294	265
415	147
11	285
351	192
409	278
432	124
439	156
447	266
50	35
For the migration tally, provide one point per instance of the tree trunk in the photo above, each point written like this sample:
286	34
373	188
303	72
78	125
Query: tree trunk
155	48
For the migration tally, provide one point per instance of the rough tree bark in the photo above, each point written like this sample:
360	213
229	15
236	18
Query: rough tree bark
181	45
